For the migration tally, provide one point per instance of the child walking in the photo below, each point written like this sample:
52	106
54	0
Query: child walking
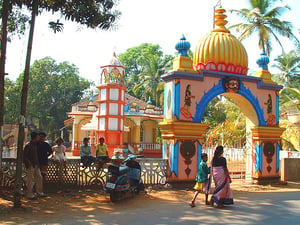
201	179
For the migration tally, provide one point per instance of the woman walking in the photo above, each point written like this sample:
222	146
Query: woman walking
223	193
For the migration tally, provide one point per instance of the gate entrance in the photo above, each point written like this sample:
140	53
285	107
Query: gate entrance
236	161
219	68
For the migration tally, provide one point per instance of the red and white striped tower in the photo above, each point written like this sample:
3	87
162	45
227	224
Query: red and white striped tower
111	105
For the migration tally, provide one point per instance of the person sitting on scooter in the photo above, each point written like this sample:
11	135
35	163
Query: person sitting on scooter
86	153
101	152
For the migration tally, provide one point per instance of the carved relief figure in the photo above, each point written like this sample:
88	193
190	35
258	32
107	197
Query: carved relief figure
185	110
271	117
231	84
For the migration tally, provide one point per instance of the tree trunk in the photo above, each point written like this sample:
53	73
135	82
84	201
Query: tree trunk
21	134
5	8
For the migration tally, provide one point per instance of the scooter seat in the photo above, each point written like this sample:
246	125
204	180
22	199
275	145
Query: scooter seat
114	169
123	170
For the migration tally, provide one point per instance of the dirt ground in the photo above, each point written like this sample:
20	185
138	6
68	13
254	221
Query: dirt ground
63	203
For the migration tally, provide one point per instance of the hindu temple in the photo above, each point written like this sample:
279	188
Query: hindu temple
219	67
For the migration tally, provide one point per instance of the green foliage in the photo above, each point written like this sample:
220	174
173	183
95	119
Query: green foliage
289	76
56	26
53	88
92	13
289	99
226	123
17	21
144	66
263	18
12	102
288	64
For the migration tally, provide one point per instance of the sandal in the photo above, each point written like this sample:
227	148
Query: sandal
192	205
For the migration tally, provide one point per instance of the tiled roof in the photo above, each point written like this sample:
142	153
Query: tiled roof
133	100
141	104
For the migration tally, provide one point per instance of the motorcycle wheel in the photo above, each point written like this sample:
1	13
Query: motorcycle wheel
113	196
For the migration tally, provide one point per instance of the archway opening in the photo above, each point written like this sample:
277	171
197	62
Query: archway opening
230	117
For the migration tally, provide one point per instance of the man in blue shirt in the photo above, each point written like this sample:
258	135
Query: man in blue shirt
86	153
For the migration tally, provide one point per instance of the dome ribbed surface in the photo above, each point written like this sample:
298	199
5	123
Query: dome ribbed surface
221	51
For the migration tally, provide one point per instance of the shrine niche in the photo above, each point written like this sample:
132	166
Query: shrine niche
219	67
113	74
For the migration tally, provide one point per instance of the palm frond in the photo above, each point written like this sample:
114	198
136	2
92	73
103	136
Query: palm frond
56	26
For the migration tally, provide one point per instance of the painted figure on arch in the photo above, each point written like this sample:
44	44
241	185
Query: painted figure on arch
185	110
271	118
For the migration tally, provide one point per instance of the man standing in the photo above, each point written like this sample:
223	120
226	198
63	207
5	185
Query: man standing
44	151
33	170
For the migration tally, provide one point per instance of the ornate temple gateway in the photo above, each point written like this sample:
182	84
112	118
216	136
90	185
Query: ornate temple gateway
219	67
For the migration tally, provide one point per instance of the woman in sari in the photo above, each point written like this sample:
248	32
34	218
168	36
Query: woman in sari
222	194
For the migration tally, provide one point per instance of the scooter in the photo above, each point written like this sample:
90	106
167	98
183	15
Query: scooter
124	180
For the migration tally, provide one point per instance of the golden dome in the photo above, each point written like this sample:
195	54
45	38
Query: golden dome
221	51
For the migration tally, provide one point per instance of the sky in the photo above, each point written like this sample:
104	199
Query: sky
159	22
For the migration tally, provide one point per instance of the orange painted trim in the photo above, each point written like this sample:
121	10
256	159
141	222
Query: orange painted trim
110	131
108	86
109	116
80	114
111	101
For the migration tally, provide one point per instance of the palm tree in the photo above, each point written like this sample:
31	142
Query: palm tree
56	26
149	80
289	99
288	64
289	106
262	18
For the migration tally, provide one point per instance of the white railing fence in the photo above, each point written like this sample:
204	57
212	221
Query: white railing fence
153	171
236	160
289	154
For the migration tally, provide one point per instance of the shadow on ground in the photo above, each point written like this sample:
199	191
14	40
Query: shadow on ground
158	206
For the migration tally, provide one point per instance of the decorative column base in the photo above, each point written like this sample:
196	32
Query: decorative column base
182	146
266	149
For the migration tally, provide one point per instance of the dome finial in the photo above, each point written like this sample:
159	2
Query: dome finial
91	99
220	21
149	102
264	73
183	46
263	61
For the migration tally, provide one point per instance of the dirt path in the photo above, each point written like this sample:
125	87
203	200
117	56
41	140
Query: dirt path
61	205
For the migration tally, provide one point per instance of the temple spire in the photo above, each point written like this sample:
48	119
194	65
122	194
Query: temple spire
219	20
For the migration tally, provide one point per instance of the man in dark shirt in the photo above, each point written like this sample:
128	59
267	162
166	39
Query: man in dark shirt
44	151
32	166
